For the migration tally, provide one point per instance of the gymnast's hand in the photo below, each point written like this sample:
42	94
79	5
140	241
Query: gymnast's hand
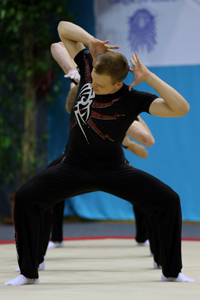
73	74
140	71
98	47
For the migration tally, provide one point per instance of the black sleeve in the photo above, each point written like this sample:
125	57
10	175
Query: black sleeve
142	100
84	62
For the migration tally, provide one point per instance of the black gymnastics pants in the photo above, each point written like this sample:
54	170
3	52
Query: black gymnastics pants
146	229
69	179
57	211
51	221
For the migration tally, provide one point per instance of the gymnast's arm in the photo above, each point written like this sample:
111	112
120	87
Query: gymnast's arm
74	38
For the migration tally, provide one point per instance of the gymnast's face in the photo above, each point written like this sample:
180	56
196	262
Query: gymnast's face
102	84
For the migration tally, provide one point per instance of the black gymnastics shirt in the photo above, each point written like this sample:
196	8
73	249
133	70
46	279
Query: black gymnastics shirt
98	123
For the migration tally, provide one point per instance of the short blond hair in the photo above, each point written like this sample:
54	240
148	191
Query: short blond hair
113	64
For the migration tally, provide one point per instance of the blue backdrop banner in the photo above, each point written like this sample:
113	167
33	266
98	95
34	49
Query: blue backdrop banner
162	32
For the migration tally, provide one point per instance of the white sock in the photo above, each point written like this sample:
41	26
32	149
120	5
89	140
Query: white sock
156	266
146	243
17	270
40	268
180	278
55	245
21	280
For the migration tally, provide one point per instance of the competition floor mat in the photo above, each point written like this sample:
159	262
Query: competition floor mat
106	268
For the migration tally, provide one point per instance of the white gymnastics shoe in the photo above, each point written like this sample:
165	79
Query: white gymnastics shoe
55	245
146	243
22	280
179	278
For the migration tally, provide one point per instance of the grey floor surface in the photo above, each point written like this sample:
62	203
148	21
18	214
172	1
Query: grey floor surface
96	229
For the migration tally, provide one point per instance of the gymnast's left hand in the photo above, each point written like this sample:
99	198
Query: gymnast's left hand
140	72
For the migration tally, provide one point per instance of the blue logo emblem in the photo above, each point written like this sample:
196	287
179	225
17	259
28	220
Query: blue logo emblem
142	31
